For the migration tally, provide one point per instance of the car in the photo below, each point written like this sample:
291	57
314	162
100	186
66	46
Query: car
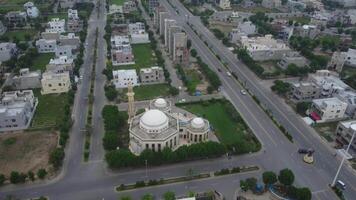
243	92
228	73
303	151
219	69
341	185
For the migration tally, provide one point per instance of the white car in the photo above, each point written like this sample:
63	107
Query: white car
243	92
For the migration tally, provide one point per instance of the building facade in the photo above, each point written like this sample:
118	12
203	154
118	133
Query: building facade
344	132
292	58
7	51
122	78
53	83
46	46
152	75
326	110
56	25
26	80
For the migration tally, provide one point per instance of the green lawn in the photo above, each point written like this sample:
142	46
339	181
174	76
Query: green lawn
193	80
229	130
50	109
40	62
118	2
146	92
20	34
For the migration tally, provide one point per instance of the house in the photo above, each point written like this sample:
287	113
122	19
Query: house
292	58
152	75
152	4
122	55
352	14
326	110
171	32
74	23
304	91
56	25
16	110
137	33
53	82
60	64
67	3
168	23
2	28
50	36
295	5
351	58
113	9
337	61
285	32
243	29
26	80
129	6
344	132
271	3
16	18
345	3
180	49
328	82
122	78
348	97
64	50
162	17
224	4
311	31
70	39
264	48
46	46
31	10
7	51
118	40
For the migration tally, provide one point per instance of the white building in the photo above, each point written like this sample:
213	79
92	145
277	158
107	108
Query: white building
46	46
348	97
328	82
56	25
73	14
53	83
243	29
139	37
329	109
122	78
7	51
64	50
31	10
138	26
351	57
118	40
60	64
344	132
224	4
264	48
159	127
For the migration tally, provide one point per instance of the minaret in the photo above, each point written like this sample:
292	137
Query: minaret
131	106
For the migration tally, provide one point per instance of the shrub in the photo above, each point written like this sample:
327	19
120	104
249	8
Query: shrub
41	173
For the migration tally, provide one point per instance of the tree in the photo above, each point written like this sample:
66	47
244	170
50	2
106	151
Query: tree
251	183
243	185
304	194
2	179
286	177
269	178
110	92
193	52
280	87
56	157
111	140
41	173
16	177
31	175
169	195
173	91
125	198
148	197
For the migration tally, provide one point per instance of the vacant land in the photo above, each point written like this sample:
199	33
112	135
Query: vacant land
144	57
40	62
230	130
146	92
21	35
28	151
327	130
50	110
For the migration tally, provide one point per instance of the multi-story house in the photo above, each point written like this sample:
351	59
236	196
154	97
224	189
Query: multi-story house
122	55
74	23
243	29
348	97
129	6
264	48
337	61
2	28
16	18
311	31
70	39
326	110
351	57
328	82
344	132
64	50
26	80
292	58
223	4
180	50
152	75
60	64
67	3
46	46
7	51
56	25
53	82
16	110
122	78
31	10
138	33
304	91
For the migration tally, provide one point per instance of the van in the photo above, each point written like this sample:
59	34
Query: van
341	185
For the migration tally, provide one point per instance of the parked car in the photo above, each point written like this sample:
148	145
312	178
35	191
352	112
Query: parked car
341	185
303	151
243	92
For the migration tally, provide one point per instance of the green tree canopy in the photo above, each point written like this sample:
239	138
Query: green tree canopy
286	177
269	177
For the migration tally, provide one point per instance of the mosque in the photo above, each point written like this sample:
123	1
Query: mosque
163	125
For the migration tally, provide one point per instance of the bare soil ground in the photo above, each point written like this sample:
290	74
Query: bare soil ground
26	151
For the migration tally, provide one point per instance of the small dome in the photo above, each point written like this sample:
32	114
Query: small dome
160	103
154	119
198	122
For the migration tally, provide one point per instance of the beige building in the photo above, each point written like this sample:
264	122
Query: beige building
55	82
152	75
326	110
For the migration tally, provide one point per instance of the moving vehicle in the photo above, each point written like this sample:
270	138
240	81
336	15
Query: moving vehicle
303	151
243	92
228	73
341	185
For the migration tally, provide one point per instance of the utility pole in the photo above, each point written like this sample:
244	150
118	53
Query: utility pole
353	127
146	168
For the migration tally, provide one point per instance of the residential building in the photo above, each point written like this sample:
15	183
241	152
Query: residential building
243	29
352	14
56	25
224	4
337	61
304	91
16	18
67	3
311	31
134	27
152	4
159	128
74	23
295	5
344	132
118	40
50	36
320	19
122	55
167	25
172	30
351	58
180	50
26	80
264	48
16	110
346	3
114	9
70	39
138	33
122	78
64	50
156	15
7	51
2	28
31	10
328	82
46	46
292	58
162	17
348	97
60	64
53	82
285	32
129	6
271	3
326	110
152	75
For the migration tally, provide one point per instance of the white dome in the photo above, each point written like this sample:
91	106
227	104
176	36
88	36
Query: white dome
160	103
154	120
198	122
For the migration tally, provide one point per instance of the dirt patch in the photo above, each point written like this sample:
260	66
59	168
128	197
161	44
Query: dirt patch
26	151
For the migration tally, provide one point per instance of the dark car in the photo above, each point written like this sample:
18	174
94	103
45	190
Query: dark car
303	151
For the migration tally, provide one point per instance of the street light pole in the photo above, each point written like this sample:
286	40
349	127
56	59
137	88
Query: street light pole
146	168
353	127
